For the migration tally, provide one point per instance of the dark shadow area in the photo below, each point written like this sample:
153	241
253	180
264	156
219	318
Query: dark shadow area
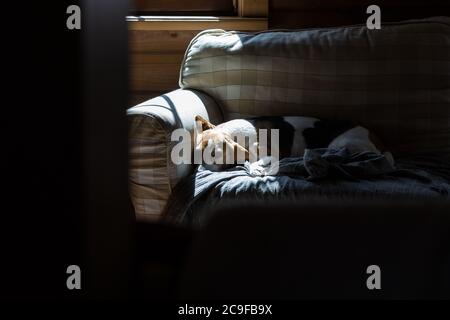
321	251
161	251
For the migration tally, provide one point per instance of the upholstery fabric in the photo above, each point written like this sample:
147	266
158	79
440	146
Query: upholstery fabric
395	81
151	123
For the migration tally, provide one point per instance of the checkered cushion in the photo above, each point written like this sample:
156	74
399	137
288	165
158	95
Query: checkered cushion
152	174
395	81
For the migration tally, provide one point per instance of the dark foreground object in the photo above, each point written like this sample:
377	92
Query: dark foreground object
321	251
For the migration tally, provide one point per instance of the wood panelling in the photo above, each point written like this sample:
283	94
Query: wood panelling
253	8
156	23
141	96
177	6
155	59
162	41
155	76
156	53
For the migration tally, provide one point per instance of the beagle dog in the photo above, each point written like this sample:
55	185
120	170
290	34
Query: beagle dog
236	141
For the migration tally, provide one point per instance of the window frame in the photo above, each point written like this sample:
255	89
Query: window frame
214	8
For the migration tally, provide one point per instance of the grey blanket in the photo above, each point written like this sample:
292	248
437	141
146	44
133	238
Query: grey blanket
320	174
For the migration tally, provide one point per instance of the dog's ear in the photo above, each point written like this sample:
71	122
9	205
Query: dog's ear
202	123
236	146
241	148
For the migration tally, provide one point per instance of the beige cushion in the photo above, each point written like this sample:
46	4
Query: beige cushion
395	81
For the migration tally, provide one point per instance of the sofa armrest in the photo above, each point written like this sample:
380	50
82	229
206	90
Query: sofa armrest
152	174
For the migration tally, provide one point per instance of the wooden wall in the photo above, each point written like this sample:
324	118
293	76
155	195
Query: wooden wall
155	55
155	59
197	7
156	52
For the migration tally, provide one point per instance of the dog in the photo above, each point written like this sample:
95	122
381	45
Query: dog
225	142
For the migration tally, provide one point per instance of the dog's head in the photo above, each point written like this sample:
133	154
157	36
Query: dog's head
218	148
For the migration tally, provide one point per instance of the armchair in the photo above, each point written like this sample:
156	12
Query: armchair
152	174
393	81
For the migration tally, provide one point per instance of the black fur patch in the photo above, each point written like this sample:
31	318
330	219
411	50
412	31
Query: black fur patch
286	131
323	132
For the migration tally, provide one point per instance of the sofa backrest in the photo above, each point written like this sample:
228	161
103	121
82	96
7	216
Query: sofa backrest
395	81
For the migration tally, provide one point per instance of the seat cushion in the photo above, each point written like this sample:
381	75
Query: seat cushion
394	81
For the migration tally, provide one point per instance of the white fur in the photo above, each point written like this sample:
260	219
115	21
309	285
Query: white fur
238	127
241	128
299	124
355	140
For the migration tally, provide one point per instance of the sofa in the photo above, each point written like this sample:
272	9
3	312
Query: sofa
394	81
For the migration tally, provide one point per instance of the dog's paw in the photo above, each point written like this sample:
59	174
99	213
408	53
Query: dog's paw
262	167
255	169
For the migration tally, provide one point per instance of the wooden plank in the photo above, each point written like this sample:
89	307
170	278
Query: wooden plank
154	77
160	41
137	97
155	23
253	8
183	6
155	60
144	58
